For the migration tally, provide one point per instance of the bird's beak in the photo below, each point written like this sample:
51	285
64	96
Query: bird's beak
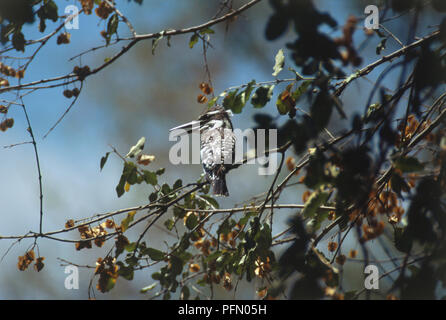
188	127
198	124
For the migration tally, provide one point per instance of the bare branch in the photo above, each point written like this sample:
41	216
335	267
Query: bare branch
31	133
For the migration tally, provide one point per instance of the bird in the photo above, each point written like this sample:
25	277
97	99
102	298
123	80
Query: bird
217	144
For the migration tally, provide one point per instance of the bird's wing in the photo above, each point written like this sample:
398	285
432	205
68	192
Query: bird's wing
210	150
228	146
217	147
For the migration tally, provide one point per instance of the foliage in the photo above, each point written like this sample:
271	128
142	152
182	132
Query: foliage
387	180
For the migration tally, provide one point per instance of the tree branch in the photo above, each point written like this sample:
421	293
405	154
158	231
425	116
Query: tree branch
366	70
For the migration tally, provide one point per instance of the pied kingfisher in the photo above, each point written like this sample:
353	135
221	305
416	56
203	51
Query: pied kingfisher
217	141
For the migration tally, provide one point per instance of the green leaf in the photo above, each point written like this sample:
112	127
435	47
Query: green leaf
176	265
263	240
178	184
156	41
282	106
132	177
150	177
156	276
193	40
280	62
154	254
112	26
213	256
211	200
127	220
301	90
374	112
224	228
191	221
316	222
316	199
18	41
131	260
160	171
247	92
125	272
233	101
206	31
110	284
183	246
120	187
104	159
261	96
47	11
130	247
42	23
246	218
185	293
165	189
51	11
408	164
153	196
129	174
179	212
212	102
398	184
169	223
148	288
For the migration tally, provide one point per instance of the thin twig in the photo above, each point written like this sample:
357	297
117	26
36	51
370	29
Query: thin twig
65	113
392	35
31	133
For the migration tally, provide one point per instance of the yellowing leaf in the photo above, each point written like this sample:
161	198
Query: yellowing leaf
193	40
127	187
125	223
316	199
280	62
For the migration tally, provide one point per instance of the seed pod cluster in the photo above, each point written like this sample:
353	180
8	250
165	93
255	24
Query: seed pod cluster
63	38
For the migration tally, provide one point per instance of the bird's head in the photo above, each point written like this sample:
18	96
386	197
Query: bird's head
214	117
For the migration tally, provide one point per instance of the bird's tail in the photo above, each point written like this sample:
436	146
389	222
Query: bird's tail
219	185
